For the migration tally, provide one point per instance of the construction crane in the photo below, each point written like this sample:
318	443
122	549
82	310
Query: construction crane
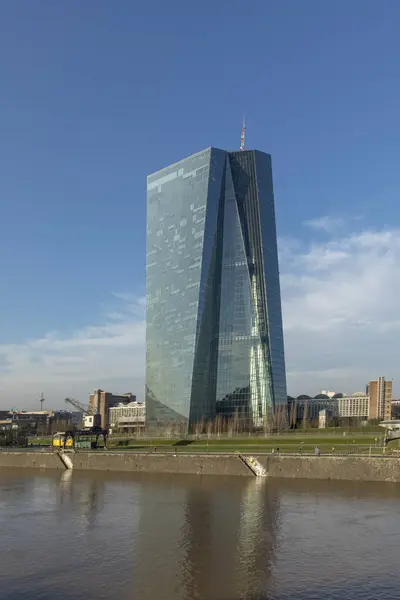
85	410
90	416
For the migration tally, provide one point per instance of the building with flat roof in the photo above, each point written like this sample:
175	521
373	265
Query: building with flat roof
380	399
214	341
304	408
100	402
395	409
354	406
128	418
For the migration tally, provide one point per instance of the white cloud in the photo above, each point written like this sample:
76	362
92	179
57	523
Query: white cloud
109	355
333	225
325	223
340	306
341	321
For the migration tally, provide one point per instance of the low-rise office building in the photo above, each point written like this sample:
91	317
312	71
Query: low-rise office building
35	420
395	409
62	420
354	406
305	408
128	418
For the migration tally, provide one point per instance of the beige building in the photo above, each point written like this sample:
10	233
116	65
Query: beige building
356	405
380	399
100	402
128	417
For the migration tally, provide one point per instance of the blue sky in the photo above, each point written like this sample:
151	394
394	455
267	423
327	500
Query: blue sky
97	94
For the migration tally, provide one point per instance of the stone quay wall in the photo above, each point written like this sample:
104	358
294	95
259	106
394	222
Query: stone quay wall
277	466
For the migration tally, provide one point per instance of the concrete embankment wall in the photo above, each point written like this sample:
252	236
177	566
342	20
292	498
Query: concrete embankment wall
355	468
294	467
40	460
197	464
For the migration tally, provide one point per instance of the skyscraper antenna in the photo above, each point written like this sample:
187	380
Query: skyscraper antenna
243	134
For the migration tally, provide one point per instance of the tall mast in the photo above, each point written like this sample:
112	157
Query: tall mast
243	134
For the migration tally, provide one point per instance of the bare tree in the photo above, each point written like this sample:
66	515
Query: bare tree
293	414
168	430
236	421
218	425
266	426
305	415
201	426
230	425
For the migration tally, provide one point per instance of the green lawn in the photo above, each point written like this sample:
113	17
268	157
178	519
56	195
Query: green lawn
294	442
41	441
286	444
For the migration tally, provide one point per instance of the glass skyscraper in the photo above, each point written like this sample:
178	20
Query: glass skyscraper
214	321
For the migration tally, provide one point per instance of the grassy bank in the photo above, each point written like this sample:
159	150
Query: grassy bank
348	444
329	441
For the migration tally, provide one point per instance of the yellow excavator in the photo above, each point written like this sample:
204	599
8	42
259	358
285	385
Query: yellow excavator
61	440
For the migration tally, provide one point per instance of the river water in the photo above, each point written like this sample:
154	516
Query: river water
107	536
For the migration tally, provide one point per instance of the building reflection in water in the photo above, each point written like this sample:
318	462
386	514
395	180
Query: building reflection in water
171	536
160	549
207	538
258	532
91	502
85	496
65	488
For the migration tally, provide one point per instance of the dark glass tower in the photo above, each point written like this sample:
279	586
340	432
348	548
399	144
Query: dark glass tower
214	321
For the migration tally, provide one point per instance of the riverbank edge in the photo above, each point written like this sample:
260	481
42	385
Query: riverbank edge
357	468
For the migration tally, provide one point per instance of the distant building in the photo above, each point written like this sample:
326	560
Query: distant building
304	408
380	399
375	403
326	417
101	402
128	417
395	409
354	406
64	419
36	420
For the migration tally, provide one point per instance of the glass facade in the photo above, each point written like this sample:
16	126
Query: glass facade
214	324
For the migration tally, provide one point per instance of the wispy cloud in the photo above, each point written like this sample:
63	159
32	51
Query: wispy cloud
326	223
333	224
340	305
102	355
